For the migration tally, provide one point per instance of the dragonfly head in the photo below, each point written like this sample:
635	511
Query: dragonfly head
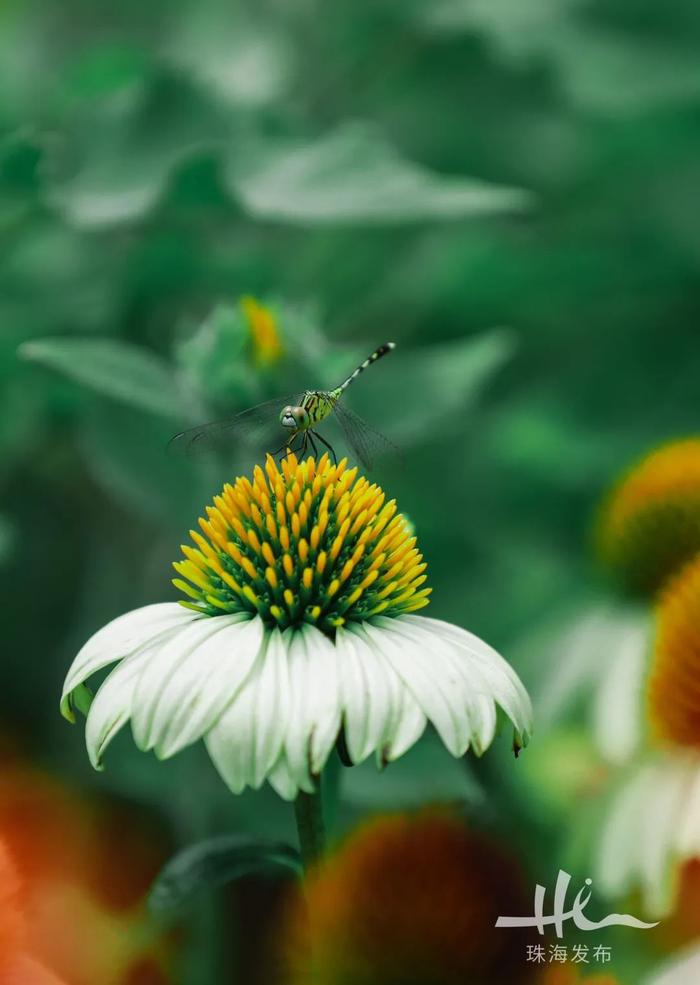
294	418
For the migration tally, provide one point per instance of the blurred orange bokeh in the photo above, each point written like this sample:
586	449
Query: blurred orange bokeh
571	976
411	898
74	873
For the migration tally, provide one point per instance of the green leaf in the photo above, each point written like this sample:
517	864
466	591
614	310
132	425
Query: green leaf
112	368
352	176
121	150
599	68
215	862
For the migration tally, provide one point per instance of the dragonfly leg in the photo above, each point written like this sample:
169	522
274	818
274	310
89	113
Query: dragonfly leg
313	443
328	446
286	447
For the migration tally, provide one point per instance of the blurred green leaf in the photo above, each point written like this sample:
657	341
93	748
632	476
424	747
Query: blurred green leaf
215	862
9	536
244	63
127	454
424	389
113	163
112	368
353	176
598	66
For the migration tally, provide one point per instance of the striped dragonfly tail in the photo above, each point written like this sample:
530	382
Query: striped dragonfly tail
383	350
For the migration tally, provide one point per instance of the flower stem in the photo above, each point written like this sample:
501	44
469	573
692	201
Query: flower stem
308	812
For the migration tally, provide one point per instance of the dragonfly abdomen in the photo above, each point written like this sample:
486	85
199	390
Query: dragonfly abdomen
377	354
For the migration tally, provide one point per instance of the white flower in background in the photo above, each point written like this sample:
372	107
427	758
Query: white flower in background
654	822
302	588
604	654
653	826
647	531
682	969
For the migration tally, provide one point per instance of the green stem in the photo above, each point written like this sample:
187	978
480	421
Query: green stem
308	812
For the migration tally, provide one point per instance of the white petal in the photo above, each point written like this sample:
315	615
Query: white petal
474	691
503	683
484	720
282	780
658	832
121	637
575	653
410	725
194	696
164	668
618	708
639	845
682	969
314	720
111	707
432	681
380	714
246	741
615	865
370	693
688	834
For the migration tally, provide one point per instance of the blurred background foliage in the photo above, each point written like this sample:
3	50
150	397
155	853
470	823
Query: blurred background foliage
204	205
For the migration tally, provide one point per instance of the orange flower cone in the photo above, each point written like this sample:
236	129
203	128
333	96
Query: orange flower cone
649	526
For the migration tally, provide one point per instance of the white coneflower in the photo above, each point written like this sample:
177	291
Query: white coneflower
299	626
647	529
653	825
602	653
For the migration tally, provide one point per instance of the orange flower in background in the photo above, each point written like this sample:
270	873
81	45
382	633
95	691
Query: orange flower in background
649	526
17	966
674	682
11	924
683	925
410	899
73	894
567	975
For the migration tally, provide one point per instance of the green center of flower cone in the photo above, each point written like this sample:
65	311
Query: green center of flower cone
308	542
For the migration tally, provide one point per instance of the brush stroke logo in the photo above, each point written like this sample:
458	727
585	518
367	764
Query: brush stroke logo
558	918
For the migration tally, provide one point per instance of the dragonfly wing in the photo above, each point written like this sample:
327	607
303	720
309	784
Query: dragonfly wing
257	428
366	442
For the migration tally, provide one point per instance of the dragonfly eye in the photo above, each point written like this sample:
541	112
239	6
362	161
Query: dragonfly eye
294	418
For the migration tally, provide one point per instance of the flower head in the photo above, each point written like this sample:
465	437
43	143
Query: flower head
310	544
300	624
674	681
410	899
650	524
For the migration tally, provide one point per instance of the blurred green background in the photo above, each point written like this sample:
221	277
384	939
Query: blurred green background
506	188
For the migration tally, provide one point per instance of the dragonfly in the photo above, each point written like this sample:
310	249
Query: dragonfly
294	421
